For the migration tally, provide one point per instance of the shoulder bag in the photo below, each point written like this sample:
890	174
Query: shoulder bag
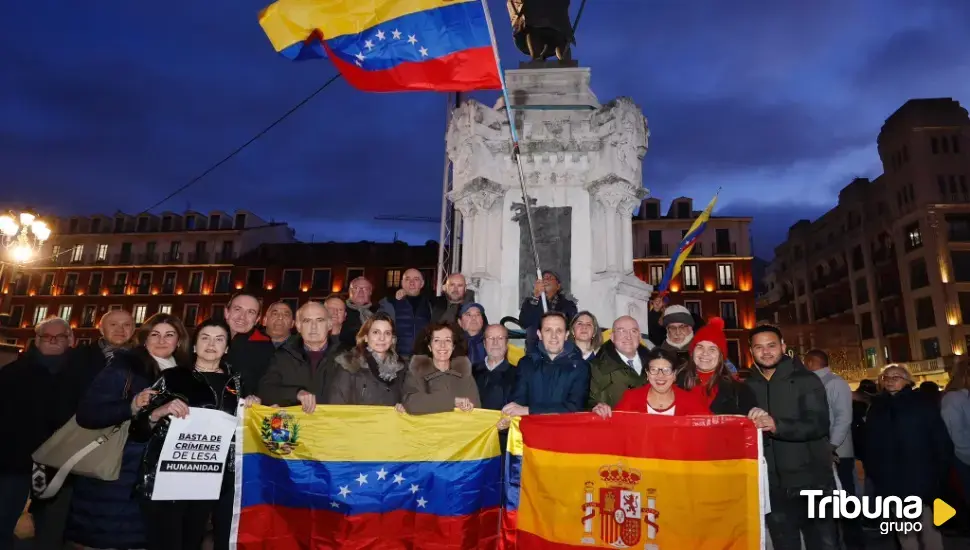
89	453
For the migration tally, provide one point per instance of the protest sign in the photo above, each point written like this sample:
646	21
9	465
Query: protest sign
193	458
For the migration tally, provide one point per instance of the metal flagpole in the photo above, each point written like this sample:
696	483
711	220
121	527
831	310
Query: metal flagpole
445	187
515	149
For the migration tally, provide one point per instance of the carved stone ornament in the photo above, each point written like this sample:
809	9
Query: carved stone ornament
617	194
624	128
475	137
477	196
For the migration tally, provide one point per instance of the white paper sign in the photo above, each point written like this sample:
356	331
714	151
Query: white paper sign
193	458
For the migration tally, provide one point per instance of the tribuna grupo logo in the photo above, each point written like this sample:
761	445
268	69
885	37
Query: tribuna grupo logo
898	515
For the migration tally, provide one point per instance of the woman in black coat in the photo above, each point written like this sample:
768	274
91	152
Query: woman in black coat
103	513
207	382
907	445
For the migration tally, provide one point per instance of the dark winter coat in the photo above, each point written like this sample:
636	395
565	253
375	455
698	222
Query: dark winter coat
734	397
104	514
249	354
185	383
495	386
411	315
290	371
531	313
798	453
428	390
610	376
557	385
908	450
355	319
359	379
37	396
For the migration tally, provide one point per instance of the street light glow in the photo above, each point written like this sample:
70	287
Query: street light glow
26	218
21	253
40	230
8	226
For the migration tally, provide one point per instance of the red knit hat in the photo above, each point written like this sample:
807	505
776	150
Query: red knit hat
712	332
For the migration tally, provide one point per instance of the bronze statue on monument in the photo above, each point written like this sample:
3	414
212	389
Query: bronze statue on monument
541	29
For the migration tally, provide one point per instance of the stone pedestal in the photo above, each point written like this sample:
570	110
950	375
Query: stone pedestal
583	169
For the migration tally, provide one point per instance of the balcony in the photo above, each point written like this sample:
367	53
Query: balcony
117	289
168	288
143	289
223	288
45	290
172	258
147	259
123	259
199	258
224	257
894	327
70	290
725	249
661	251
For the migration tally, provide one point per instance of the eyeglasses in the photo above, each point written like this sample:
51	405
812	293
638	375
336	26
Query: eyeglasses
53	338
893	377
665	371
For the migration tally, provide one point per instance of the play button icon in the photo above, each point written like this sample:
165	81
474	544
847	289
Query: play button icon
942	512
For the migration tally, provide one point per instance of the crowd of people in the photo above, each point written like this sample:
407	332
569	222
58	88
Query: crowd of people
426	354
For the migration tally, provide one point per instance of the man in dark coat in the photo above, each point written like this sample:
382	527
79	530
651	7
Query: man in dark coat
300	370
250	348
531	310
37	396
411	312
554	378
619	365
796	442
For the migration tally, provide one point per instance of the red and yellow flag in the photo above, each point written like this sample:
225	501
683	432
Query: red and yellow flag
633	481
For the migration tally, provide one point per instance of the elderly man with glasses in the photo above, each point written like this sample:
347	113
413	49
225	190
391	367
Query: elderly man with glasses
37	396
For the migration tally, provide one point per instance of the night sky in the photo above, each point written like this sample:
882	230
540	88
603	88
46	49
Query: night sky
114	104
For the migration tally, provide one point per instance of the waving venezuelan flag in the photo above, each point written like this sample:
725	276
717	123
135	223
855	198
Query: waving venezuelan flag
633	481
390	45
367	477
686	245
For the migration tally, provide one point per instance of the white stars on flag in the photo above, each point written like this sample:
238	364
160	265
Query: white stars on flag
344	491
370	46
398	478
414	488
361	479
344	503
381	474
421	502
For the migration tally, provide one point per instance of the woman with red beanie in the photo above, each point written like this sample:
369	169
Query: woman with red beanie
659	395
707	376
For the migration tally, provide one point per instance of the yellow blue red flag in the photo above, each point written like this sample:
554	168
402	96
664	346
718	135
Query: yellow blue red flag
686	245
633	481
367	477
390	45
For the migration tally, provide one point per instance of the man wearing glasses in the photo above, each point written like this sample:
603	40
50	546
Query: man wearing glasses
36	398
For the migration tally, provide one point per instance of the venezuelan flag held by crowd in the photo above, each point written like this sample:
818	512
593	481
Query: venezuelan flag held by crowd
390	45
634	480
368	477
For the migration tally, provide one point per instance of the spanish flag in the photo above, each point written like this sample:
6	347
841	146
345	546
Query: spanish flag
390	45
367	477
633	481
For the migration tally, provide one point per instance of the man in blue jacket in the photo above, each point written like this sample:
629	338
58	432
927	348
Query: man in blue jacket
554	378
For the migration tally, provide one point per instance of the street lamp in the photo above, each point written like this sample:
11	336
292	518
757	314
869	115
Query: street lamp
22	236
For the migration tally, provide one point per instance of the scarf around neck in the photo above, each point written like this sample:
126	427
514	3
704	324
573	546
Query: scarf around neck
164	363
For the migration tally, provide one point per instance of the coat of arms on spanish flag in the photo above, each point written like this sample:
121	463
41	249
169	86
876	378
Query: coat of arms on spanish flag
634	481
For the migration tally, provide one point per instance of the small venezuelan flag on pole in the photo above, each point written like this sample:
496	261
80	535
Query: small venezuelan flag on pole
390	45
686	245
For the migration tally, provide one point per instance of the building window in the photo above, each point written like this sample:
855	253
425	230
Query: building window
913	238
77	254
102	253
64	312
70	283
934	145
40	313
46	284
865	328
195	282
87	316
94	283
694	307
166	223
924	313
961	265
725	276
931	347
691	279
393	279
255	279
165	309
168	282
683	210
354	272
140	312
55	252
861	291
223	282
144	282
918	276
219	312
291	280
214	221
321	280
16	316
240	221
729	312
191	316
734	352
656	274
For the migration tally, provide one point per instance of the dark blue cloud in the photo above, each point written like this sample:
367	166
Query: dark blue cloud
114	104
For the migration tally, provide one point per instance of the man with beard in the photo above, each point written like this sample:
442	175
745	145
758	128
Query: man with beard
250	349
680	331
795	419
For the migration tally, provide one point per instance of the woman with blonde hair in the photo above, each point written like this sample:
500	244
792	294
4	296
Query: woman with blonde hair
907	450
585	332
371	373
956	416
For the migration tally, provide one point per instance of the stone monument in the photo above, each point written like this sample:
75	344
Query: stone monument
583	165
